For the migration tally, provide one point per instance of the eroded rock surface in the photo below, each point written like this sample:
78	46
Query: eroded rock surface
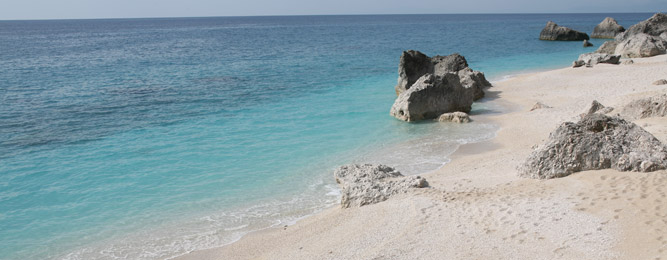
608	28
364	184
646	107
645	39
593	58
595	142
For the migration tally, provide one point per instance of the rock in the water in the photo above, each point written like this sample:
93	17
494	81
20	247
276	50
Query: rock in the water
432	96
596	107
414	64
608	28
456	117
539	105
553	32
646	107
608	47
595	142
641	45
593	58
587	44
660	82
627	62
364	184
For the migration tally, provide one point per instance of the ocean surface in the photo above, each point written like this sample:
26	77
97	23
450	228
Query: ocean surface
150	138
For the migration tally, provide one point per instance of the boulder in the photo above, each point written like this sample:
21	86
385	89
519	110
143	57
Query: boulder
593	58
595	142
539	105
595	107
587	44
646	107
641	45
455	117
432	96
660	82
553	32
365	184
654	26
608	47
608	28
414	64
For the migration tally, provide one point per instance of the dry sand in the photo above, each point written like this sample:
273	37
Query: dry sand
477	207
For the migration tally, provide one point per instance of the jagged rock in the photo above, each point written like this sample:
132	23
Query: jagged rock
646	107
654	26
595	142
455	117
627	62
539	105
432	96
660	82
365	184
553	32
608	47
414	64
608	28
641	45
596	107
587	44
593	58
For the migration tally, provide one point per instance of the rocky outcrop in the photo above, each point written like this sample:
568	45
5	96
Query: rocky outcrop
641	45
455	117
414	64
365	184
608	28
654	26
428	87
593	58
553	32
608	47
432	96
595	142
646	107
660	82
587	44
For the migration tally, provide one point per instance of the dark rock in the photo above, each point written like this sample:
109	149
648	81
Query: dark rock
653	26
587	44
595	142
553	32
660	82
608	28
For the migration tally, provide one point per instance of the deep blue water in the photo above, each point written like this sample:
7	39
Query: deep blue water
148	138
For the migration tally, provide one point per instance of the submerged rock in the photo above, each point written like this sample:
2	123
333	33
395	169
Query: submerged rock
595	142
365	184
432	96
455	117
608	28
587	44
646	107
554	32
641	45
593	58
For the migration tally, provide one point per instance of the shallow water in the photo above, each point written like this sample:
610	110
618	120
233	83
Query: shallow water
149	138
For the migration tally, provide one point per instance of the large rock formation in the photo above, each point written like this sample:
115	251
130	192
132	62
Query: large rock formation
645	39
432	96
646	107
653	26
364	184
591	59
414	64
428	87
553	32
608	28
596	142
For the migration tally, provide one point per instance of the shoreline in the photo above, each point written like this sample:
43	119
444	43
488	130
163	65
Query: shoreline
480	179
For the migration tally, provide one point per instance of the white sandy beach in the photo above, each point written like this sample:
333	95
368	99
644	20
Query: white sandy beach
477	207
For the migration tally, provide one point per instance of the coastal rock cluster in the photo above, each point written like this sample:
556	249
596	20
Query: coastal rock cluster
645	39
428	87
554	32
597	141
608	28
590	59
365	184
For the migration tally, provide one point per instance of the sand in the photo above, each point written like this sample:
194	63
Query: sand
477	207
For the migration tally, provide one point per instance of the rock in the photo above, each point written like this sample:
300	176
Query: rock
595	142
646	107
553	32
608	28
654	26
627	62
539	105
595	107
587	44
641	45
414	64
593	58
608	47
660	82
432	96
455	117
365	184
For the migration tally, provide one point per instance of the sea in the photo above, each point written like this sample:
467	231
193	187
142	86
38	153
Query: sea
152	138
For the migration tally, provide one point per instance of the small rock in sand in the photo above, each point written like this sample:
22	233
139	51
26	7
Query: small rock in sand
455	117
596	107
539	105
627	62
660	82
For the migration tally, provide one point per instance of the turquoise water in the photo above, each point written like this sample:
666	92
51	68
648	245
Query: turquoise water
149	138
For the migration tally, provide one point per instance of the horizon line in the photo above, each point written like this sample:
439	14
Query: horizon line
304	15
